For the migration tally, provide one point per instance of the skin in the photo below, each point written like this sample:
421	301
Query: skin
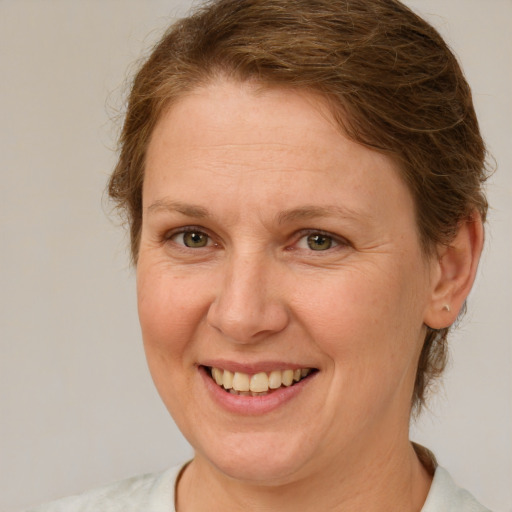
256	170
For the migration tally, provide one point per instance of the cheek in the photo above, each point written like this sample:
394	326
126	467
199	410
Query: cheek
170	313
368	322
367	331
171	308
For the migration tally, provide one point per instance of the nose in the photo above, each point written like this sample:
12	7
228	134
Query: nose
249	304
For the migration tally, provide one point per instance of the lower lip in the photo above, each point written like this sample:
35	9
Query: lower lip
252	405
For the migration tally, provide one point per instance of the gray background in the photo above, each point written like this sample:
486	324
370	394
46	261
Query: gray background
77	406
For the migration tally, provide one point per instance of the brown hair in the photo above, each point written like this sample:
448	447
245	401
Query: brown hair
390	79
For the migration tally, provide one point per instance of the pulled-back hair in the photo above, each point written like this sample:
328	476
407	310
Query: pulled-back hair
391	81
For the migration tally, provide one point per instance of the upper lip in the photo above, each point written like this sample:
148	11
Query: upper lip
253	367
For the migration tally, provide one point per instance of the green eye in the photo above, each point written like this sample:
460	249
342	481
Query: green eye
195	239
318	242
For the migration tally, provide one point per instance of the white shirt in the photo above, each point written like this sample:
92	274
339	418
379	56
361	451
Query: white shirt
155	493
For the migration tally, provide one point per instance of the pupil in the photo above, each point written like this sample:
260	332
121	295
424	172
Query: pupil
319	242
193	239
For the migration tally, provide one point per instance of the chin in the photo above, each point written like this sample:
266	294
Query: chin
261	458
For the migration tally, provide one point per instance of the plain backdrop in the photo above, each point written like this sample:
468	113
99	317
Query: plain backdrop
77	405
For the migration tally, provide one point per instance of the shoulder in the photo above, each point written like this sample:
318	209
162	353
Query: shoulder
446	496
151	493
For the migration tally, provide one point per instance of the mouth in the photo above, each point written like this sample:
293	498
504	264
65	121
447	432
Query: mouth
257	384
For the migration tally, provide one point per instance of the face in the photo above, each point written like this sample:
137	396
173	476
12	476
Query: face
281	260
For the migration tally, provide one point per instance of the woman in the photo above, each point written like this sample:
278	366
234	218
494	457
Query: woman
303	184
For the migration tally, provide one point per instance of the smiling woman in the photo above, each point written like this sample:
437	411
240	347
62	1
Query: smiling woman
277	290
303	184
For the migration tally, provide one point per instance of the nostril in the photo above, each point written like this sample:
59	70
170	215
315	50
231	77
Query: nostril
244	309
241	323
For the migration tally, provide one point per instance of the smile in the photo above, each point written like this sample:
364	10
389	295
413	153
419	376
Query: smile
258	384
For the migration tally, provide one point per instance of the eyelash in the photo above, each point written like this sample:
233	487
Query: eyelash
337	241
169	236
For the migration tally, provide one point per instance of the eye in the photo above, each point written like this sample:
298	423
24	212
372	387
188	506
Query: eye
193	239
317	242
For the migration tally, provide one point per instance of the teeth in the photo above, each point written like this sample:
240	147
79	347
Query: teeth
259	382
239	383
274	379
287	377
217	376
227	379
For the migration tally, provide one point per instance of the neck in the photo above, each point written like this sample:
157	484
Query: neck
392	478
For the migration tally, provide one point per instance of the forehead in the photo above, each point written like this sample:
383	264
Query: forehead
228	112
280	142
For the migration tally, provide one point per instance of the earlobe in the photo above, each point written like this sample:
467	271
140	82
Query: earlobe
454	272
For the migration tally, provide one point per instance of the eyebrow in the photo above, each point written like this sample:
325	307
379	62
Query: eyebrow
189	210
314	212
307	212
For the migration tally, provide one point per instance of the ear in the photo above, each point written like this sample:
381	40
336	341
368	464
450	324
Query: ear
453	273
